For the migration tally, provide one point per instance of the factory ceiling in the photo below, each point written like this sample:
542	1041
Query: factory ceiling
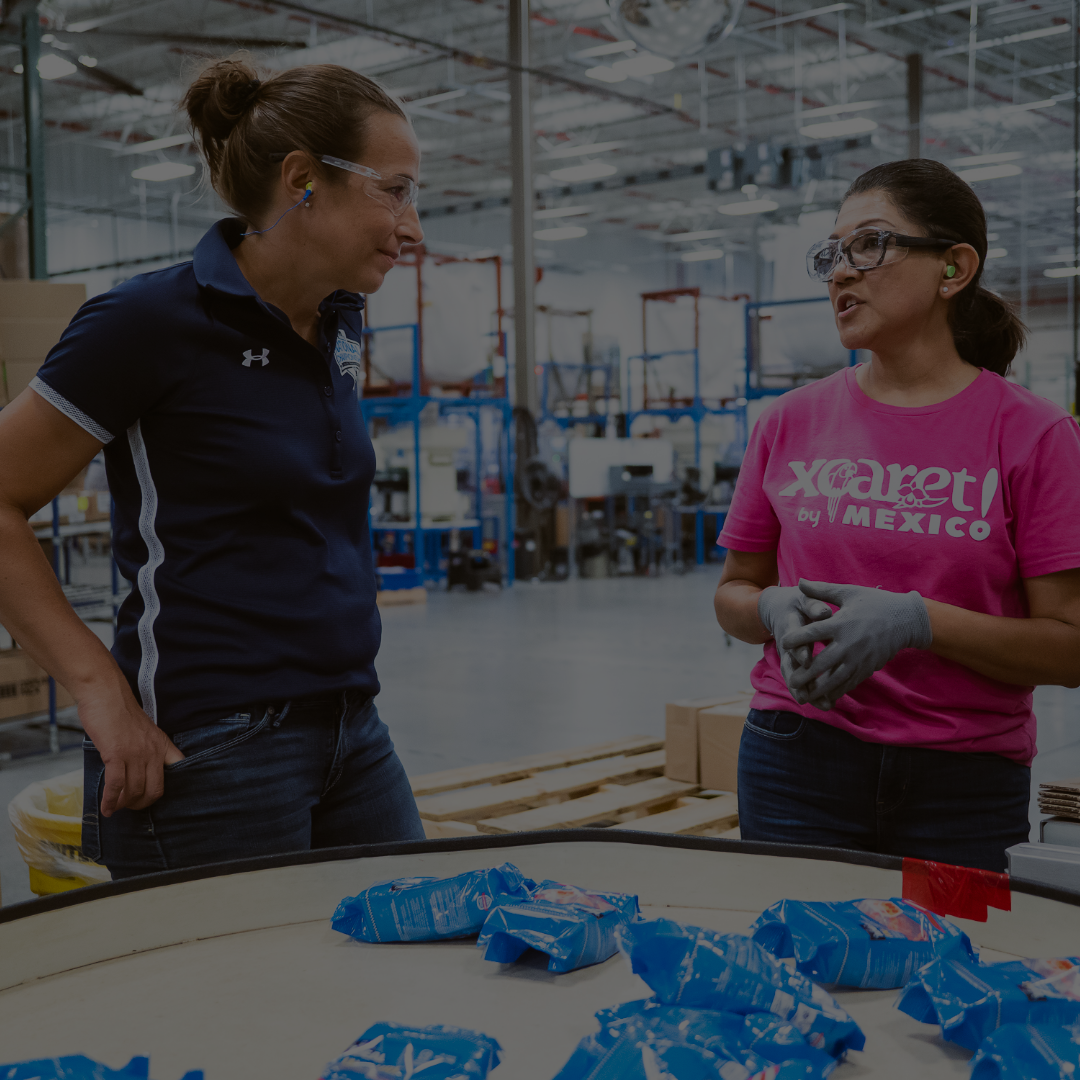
618	148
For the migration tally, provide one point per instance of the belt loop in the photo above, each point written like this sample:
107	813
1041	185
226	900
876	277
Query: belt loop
284	712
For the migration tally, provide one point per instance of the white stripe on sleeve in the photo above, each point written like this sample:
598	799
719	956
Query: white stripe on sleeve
72	412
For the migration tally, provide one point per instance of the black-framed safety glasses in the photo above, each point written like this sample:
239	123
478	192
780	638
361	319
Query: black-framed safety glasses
866	249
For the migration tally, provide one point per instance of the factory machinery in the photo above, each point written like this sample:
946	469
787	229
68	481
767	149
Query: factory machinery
631	515
471	491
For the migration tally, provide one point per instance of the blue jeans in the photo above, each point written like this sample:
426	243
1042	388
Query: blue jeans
805	782
275	778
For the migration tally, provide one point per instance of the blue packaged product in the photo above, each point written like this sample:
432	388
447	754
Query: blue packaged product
79	1067
1029	1052
874	944
428	908
970	1001
642	1040
393	1051
780	1040
697	968
575	927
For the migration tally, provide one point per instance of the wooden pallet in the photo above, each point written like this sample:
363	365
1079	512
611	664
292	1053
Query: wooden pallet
617	785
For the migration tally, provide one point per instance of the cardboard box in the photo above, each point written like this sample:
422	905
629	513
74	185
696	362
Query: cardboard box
40	299
24	687
719	734
33	315
681	734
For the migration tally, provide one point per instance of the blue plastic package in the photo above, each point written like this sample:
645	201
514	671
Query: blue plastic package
644	1039
874	944
428	908
78	1067
393	1051
696	968
970	1001
1029	1052
780	1040
573	926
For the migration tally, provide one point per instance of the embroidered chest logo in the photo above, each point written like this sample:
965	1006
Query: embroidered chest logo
251	359
349	357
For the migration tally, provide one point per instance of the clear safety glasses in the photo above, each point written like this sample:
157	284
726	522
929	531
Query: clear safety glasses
865	249
396	193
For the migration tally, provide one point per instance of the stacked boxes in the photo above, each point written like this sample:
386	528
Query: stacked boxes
702	740
33	315
24	687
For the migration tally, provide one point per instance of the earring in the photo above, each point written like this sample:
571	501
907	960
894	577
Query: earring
946	289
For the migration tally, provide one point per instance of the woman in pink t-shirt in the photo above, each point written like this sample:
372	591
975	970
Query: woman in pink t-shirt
905	540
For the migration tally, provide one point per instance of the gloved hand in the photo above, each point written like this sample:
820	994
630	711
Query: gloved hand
783	609
869	629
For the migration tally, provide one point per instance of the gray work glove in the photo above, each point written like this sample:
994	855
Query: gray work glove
869	629
783	609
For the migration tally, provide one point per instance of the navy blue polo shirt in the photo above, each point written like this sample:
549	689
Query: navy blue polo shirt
239	466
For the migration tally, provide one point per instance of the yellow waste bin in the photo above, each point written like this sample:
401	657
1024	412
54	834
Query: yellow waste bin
47	819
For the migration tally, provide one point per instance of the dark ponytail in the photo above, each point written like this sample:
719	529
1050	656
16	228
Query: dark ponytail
986	330
244	124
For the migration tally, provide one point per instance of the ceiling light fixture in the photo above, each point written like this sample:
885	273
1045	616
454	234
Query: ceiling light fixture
1063	271
447	95
643	64
833	110
606	50
989	172
856	125
153	145
51	66
563	232
997	253
583	148
590	170
88	61
1026	106
983	159
754	206
163	170
703	255
606	74
684	237
560	212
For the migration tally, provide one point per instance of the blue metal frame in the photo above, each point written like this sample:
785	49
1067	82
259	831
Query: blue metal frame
569	421
756	392
407	409
697	411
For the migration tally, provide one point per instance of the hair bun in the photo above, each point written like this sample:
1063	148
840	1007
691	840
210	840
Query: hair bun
219	98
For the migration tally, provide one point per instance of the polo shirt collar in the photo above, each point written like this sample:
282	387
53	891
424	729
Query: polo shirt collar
216	269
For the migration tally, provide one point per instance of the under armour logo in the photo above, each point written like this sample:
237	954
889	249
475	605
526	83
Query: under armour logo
259	361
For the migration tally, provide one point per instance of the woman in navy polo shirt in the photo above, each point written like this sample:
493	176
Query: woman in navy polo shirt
235	716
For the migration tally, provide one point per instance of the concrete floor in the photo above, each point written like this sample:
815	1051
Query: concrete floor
475	677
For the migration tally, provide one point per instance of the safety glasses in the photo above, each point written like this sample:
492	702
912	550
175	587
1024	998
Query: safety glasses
396	193
866	249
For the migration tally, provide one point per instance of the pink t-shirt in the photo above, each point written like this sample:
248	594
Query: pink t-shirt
960	500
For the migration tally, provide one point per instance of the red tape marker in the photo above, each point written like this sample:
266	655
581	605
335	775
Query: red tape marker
955	890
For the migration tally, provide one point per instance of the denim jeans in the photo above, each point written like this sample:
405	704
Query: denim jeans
805	782
275	778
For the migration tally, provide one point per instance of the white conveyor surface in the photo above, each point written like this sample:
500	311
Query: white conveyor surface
240	974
